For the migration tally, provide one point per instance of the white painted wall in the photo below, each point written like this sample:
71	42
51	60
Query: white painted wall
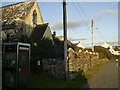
105	45
80	45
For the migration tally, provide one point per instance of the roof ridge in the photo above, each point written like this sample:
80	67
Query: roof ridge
12	4
32	0
43	24
17	3
17	10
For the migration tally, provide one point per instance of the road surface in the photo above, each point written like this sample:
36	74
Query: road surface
105	77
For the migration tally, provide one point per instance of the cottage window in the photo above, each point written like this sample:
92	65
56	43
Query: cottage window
34	17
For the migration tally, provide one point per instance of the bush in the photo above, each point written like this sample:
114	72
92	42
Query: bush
104	53
58	48
44	49
88	49
20	33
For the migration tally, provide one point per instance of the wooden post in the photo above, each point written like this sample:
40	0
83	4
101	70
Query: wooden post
92	35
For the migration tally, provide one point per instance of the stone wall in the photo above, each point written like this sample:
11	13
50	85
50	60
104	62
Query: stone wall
77	62
54	67
83	60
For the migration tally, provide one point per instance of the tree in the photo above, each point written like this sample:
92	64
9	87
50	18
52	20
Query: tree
20	33
104	52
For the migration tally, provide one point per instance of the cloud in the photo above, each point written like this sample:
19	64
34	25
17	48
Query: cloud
75	38
111	42
72	38
84	22
105	13
72	24
111	11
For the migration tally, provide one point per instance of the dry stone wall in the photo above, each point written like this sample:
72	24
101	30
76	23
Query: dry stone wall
82	60
54	67
77	62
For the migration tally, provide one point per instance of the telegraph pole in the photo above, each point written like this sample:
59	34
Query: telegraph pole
65	38
92	26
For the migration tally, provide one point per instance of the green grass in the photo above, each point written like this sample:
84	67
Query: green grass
44	81
89	73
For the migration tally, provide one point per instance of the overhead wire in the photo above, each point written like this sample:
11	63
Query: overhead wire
78	7
84	17
79	13
99	32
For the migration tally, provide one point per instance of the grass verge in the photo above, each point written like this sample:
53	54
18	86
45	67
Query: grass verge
44	81
91	71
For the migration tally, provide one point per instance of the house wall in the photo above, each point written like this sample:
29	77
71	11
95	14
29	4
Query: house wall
29	18
27	24
81	45
105	45
48	34
114	52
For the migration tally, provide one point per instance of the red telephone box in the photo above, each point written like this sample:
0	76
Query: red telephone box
16	65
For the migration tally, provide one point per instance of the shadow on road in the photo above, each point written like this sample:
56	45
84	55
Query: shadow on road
86	84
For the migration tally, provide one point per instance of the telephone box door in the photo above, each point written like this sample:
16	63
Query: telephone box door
23	66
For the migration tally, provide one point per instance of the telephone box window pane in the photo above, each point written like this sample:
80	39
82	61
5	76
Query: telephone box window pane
10	59
23	66
23	59
9	79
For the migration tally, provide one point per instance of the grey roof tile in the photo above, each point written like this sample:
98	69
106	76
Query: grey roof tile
14	11
38	32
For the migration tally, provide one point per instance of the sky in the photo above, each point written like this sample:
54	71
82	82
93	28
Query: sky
79	15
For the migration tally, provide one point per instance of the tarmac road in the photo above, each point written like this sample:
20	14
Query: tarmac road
105	77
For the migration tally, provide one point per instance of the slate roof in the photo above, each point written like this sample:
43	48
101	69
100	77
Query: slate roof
38	32
14	11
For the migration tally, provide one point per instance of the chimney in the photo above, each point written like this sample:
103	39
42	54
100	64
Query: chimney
54	34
